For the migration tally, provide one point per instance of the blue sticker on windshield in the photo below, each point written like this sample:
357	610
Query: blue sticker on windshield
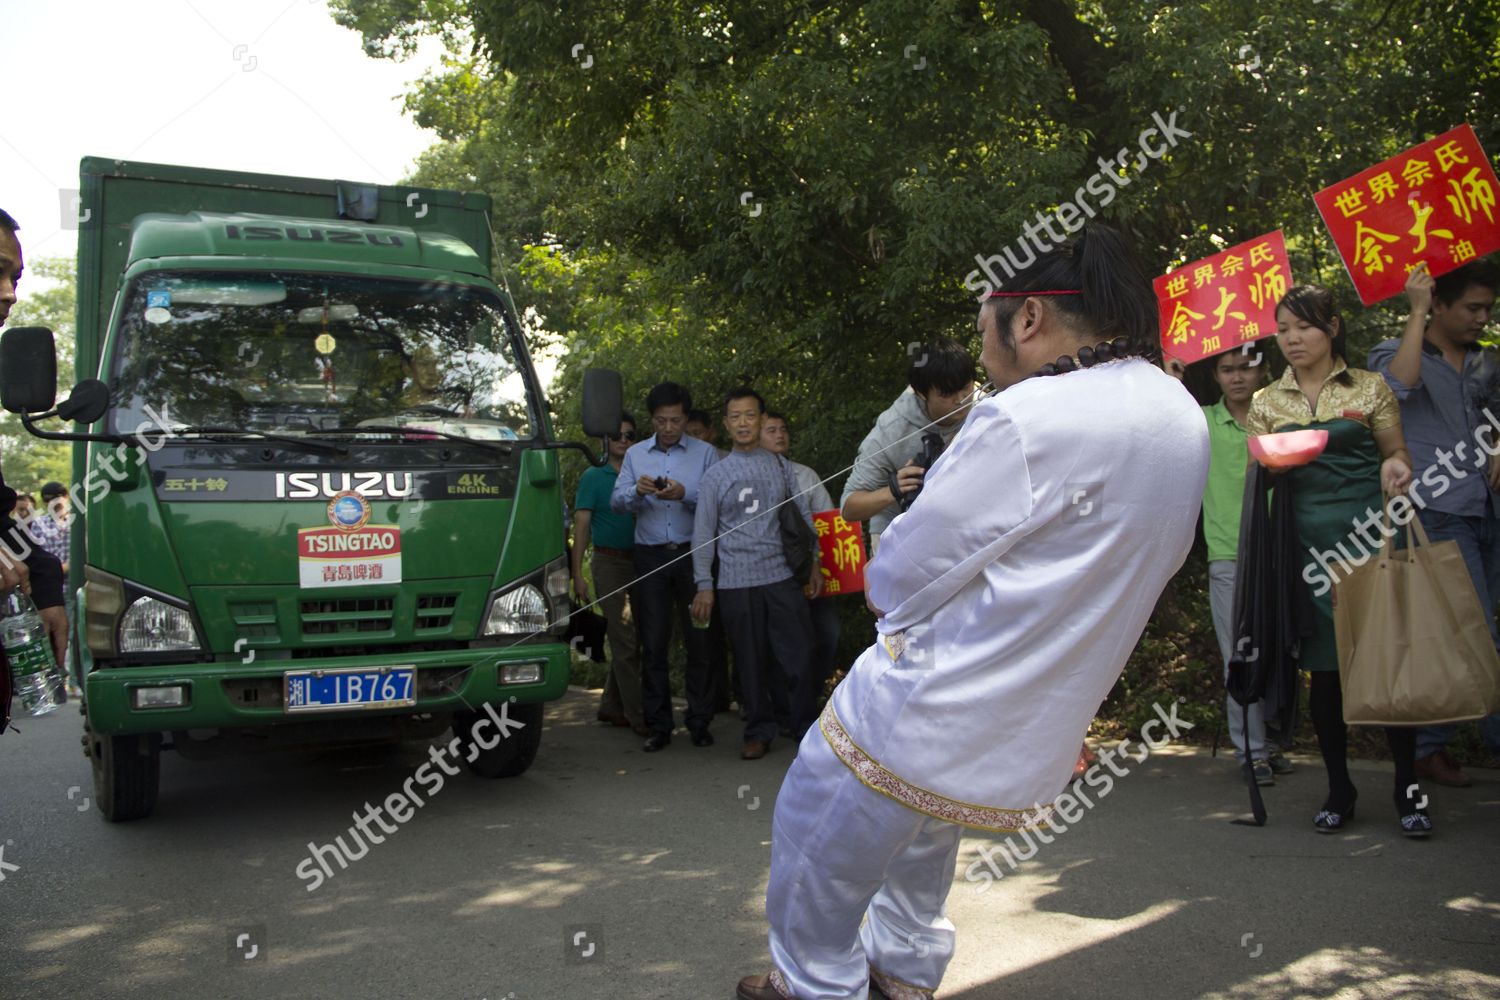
159	299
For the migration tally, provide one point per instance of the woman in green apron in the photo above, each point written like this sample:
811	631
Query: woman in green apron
1365	458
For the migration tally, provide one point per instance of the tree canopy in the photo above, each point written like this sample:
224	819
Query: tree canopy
31	461
792	193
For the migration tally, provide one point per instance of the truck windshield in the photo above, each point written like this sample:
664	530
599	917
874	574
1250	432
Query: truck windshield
303	353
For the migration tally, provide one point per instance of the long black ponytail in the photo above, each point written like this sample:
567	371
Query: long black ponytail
1107	294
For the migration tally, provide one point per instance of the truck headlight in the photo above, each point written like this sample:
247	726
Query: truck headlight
520	610
559	582
153	626
533	606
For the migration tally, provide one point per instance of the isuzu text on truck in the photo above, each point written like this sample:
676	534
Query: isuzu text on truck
319	490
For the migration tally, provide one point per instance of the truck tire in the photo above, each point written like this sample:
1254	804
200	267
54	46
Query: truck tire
510	756
126	772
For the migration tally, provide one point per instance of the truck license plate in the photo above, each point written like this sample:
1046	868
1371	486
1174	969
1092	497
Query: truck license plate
349	687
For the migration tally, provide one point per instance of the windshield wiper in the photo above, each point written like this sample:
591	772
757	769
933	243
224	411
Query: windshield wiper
240	432
499	447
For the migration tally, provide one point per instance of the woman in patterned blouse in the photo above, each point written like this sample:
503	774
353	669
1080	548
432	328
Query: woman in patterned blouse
1366	456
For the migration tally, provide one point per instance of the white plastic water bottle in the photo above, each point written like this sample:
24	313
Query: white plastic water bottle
29	650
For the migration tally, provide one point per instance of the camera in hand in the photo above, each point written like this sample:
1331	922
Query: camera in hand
661	482
932	447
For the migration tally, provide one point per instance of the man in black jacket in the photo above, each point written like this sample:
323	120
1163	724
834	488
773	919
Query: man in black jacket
24	564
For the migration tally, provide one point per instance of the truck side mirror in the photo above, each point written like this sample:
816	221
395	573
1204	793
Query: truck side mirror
89	400
28	369
603	402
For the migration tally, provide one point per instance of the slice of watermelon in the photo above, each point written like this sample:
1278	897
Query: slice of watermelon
1289	448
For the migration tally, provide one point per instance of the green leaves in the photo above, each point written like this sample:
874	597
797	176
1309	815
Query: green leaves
791	192
45	298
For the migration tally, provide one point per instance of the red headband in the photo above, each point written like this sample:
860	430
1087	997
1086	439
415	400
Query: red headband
1063	291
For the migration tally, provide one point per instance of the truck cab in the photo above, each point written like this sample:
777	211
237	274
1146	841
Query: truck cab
322	504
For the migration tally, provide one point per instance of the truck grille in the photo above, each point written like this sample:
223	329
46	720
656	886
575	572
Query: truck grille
255	620
355	618
346	616
435	610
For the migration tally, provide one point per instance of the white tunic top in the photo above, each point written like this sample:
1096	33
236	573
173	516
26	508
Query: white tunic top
1016	587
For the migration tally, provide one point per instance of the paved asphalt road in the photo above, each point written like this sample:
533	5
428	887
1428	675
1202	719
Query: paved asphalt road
661	861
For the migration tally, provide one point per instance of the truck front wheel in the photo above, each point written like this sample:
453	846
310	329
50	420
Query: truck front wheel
126	770
510	755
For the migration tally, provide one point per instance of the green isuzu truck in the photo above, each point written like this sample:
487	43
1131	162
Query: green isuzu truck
318	491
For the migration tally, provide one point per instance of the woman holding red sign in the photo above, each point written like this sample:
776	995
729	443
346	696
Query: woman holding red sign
1365	456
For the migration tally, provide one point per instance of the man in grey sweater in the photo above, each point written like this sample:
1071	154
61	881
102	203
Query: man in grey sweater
887	469
736	518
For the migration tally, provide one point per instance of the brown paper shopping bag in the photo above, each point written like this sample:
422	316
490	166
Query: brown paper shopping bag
1414	645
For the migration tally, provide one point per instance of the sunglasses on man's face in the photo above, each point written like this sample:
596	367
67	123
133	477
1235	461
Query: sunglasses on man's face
623	436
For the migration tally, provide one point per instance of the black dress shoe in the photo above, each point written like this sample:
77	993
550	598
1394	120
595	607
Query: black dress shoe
1335	814
702	738
1417	824
1413	813
657	741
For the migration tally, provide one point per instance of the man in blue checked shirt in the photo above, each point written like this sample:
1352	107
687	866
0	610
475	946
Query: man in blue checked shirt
764	607
658	483
1446	384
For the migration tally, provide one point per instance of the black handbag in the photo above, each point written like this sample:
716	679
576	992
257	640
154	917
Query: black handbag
798	540
586	633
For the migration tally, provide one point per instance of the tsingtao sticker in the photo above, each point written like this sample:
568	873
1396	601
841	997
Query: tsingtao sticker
351	552
339	557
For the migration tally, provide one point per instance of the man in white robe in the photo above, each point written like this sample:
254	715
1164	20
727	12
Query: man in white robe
1009	598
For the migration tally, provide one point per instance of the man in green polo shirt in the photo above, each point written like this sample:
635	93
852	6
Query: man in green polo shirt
1238	375
613	538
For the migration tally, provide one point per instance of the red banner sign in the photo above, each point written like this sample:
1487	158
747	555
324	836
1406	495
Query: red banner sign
1216	304
1434	203
842	551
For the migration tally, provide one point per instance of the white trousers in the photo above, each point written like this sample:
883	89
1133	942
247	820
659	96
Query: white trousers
842	854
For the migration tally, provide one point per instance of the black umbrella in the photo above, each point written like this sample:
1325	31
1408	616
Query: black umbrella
1268	616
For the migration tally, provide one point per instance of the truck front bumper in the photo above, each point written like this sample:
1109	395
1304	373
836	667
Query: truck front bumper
234	694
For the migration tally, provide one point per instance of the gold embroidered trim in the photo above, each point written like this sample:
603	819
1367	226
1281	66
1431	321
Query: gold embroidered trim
779	985
870	773
896	989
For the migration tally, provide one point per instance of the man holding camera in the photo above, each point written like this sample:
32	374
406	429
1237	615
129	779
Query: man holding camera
658	483
909	435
